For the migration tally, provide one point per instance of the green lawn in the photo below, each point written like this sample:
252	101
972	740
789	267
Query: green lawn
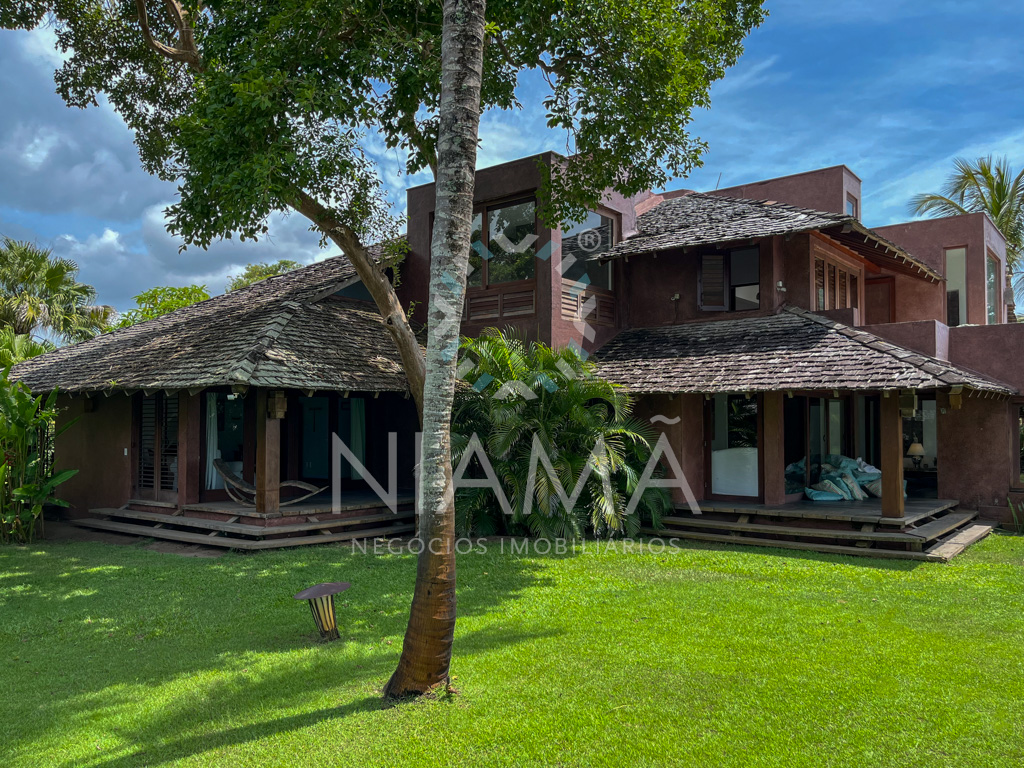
120	656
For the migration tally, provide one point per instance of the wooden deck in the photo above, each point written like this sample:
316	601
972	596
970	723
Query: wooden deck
235	526
867	511
321	504
931	529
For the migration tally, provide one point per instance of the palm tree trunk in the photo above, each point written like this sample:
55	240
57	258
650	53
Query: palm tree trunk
427	648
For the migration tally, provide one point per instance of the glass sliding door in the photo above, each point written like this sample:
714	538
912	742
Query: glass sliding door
734	446
225	425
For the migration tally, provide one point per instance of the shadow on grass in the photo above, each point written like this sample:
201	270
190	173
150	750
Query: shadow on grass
94	627
869	560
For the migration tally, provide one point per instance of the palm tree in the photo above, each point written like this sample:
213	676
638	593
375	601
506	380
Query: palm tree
16	347
520	392
988	185
41	292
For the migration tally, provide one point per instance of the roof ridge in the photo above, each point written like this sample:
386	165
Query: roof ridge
879	344
776	205
245	367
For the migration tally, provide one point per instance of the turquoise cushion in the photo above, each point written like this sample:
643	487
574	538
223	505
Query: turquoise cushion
815	495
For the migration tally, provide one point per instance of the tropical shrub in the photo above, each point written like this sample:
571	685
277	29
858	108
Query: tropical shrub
521	395
17	347
27	480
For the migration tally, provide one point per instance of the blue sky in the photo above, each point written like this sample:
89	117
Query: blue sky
895	89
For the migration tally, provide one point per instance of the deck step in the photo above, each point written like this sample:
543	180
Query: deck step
792	530
946	549
247	529
893	554
942	525
145	503
230	543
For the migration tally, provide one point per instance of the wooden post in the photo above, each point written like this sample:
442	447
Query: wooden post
773	449
190	478
892	456
268	458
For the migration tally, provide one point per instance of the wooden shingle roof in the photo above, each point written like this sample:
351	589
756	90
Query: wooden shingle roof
289	331
792	350
697	219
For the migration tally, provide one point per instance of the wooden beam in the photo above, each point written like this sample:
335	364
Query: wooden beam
870	266
774	449
190	478
268	458
892	457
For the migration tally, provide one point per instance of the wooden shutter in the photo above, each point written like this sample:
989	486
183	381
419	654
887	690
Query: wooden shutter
842	291
147	443
169	444
831	286
713	282
854	292
819	284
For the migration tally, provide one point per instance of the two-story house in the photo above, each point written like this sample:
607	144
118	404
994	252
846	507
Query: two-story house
764	329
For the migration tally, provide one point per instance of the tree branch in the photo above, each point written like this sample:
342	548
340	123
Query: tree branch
377	283
189	52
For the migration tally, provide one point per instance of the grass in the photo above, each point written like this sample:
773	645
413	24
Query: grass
119	656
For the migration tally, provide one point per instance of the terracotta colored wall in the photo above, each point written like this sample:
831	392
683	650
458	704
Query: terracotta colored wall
974	457
927	336
823	190
652	280
995	350
928	240
519	178
686	436
96	446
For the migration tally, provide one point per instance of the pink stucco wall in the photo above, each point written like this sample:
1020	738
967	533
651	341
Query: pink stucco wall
823	190
98	445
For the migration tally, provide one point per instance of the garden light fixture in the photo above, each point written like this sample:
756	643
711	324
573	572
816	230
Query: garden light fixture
321	605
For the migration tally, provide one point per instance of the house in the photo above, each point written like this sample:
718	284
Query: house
258	378
764	330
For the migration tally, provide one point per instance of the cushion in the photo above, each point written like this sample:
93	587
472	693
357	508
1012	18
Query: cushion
855	490
817	495
874	487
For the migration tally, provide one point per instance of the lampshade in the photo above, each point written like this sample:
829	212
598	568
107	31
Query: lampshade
915	449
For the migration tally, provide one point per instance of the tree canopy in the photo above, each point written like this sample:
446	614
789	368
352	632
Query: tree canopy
161	300
253	273
41	292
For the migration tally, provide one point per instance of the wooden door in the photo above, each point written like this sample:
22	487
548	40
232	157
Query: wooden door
157	448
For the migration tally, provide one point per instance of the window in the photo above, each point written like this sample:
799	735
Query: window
992	289
956	286
835	282
511	245
819	284
580	240
731	281
851	206
734	445
511	242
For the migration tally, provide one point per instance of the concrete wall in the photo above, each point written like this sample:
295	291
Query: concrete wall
686	436
928	240
823	190
928	336
99	446
975	460
995	350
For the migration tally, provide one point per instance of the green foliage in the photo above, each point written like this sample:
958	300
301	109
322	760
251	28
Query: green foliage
161	300
990	185
27	480
253	273
526	392
16	347
41	292
272	109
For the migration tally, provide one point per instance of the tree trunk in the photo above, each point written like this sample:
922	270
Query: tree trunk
427	649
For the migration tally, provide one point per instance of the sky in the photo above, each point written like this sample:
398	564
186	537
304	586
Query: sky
895	89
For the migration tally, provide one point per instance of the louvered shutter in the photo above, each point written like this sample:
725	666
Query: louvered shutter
713	282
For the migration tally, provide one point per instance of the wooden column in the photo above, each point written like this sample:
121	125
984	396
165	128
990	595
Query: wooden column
190	475
892	455
773	449
268	457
